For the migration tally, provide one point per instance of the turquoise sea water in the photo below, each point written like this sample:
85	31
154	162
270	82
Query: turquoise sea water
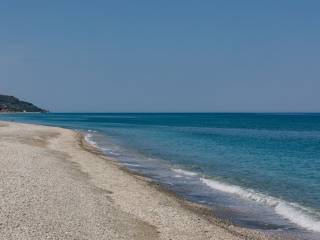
244	166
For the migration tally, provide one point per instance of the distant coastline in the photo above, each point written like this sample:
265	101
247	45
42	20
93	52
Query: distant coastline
11	104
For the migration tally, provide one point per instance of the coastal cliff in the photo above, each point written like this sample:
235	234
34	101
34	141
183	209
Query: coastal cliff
13	104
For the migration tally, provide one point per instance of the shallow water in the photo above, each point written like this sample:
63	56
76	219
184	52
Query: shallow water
243	165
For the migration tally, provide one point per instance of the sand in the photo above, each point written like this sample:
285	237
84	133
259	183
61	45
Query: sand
55	186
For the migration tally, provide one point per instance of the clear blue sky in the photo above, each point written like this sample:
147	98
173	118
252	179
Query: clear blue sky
162	55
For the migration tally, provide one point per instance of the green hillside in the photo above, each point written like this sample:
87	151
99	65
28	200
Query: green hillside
13	104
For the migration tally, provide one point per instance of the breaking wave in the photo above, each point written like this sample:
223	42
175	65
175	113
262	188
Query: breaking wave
302	216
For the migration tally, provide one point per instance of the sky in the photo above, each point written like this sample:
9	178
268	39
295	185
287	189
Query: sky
162	56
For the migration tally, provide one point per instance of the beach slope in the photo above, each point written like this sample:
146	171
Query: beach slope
54	186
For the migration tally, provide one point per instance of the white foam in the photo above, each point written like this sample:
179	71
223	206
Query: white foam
105	149
92	131
88	137
131	164
295	213
184	172
113	153
298	216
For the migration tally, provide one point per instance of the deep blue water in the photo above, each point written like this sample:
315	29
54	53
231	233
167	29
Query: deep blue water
246	164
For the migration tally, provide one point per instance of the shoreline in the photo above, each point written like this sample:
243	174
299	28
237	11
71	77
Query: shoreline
199	209
162	214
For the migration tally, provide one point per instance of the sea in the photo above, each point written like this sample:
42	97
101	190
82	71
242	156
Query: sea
256	170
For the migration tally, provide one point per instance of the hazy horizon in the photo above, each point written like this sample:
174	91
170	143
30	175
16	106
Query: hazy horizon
143	56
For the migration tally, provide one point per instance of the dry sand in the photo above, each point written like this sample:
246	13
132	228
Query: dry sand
54	186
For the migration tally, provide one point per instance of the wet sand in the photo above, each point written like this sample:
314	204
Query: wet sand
55	186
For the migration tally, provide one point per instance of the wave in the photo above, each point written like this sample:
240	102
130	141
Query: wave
184	172
302	216
94	131
131	164
88	138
